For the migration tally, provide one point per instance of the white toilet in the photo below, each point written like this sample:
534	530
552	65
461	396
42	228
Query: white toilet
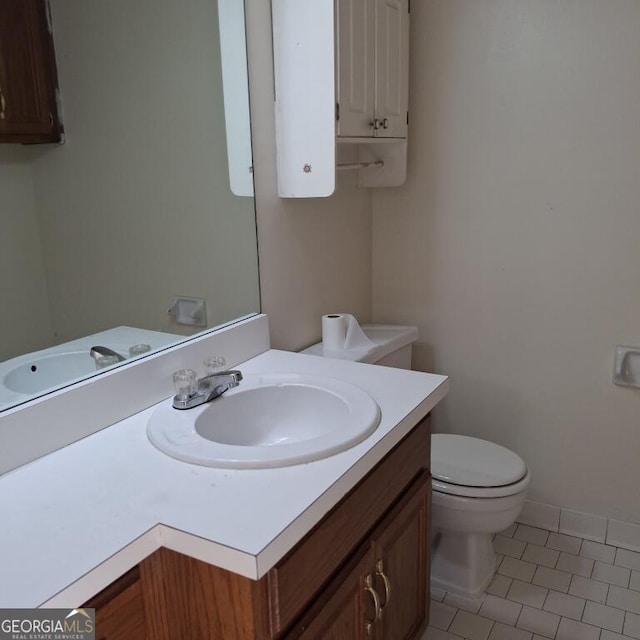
478	487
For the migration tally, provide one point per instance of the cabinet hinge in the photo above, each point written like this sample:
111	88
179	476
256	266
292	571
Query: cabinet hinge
408	6
407	118
337	111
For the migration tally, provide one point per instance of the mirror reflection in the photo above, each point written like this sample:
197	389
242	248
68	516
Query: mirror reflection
129	233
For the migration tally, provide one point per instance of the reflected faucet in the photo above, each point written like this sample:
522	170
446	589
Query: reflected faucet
98	352
192	393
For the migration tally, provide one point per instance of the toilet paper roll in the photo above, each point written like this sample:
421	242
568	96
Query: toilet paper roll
341	332
334	331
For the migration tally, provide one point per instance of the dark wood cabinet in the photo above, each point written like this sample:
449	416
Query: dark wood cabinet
349	611
28	78
362	573
120	609
401	570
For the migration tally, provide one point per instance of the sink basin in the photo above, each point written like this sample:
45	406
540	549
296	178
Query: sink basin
270	420
45	372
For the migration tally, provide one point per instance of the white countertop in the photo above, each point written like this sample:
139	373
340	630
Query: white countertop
76	519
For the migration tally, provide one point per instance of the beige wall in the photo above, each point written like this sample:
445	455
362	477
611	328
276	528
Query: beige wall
25	321
515	244
315	255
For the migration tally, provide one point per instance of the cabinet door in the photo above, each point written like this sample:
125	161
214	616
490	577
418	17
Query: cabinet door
402	565
120	609
27	74
392	67
350	610
355	62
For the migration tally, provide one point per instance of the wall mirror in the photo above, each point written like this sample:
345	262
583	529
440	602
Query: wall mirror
134	214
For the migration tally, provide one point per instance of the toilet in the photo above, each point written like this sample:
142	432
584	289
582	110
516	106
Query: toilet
478	487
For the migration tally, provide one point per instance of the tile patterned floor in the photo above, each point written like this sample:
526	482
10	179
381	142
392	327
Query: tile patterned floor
547	585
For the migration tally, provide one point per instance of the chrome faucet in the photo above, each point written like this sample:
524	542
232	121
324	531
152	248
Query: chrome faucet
207	388
98	351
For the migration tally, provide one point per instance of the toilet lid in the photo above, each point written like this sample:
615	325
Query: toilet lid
472	462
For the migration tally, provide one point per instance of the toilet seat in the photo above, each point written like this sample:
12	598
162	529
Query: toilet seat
481	492
475	468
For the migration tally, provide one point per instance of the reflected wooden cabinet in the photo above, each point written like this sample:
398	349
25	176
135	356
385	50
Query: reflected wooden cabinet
361	574
28	79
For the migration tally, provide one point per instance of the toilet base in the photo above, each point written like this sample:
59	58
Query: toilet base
462	563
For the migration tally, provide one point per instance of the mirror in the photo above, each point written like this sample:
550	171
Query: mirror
128	233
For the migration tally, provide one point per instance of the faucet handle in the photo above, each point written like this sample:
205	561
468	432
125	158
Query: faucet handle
102	362
214	364
138	349
185	382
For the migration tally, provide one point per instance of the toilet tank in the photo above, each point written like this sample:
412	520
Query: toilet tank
391	346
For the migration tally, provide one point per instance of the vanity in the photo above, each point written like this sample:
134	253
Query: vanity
336	547
361	572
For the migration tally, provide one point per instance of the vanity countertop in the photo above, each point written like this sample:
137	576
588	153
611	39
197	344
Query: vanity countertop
78	518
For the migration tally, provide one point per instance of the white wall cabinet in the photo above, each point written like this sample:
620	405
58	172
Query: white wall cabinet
372	60
341	70
304	77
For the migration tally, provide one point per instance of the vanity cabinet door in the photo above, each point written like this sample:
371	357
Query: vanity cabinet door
350	610
120	609
28	79
401	568
382	592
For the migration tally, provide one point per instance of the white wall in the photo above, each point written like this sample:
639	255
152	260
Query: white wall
315	255
135	207
25	321
515	244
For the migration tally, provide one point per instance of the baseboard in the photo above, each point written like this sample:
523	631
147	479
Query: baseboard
582	525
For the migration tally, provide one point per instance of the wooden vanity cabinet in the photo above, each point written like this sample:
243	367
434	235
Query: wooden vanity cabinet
28	78
362	572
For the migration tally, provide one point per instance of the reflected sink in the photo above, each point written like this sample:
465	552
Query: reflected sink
45	372
270	420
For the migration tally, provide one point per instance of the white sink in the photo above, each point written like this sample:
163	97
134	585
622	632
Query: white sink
270	420
45	372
